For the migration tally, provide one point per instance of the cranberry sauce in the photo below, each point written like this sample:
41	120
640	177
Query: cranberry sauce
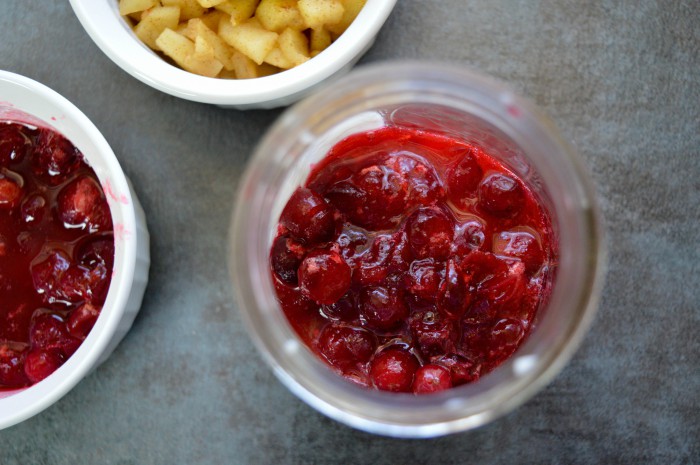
56	252
412	262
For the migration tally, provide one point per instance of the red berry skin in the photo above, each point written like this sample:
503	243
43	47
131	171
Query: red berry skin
48	273
10	193
344	309
462	370
393	370
33	209
433	333
424	188
506	336
382	308
345	347
285	258
521	245
467	237
12	367
454	297
501	195
82	319
430	233
54	157
40	363
13	144
82	204
463	178
324	276
373	265
423	279
308	217
432	378
48	331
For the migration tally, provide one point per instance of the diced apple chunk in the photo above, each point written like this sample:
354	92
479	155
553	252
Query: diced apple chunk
320	13
176	46
294	46
277	15
222	51
239	10
249	39
188	8
154	21
320	39
209	3
127	7
352	9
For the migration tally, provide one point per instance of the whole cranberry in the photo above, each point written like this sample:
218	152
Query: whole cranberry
48	273
521	245
433	333
373	265
393	370
97	252
454	297
324	276
352	240
285	257
85	283
40	363
501	195
481	266
423	279
382	308
400	253
82	319
48	331
503	290
345	347
430	233
424	187
463	178
373	198
385	193
10	193
462	369
467	237
82	204
12	367
54	157
506	335
13	144
432	378
33	209
308	217
344	309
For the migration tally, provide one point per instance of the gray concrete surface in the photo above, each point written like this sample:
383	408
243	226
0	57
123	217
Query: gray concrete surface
621	78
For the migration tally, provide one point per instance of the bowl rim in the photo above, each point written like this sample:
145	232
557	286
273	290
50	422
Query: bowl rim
114	37
19	92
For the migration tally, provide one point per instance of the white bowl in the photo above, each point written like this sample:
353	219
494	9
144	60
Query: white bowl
25	100
101	20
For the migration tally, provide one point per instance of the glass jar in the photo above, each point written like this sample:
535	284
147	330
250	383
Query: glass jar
464	105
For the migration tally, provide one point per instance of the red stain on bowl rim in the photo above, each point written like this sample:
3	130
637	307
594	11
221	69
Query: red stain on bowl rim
107	188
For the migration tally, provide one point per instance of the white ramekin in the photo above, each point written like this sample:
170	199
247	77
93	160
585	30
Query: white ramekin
25	100
101	20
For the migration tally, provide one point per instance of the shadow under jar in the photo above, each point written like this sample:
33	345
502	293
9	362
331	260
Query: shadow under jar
465	107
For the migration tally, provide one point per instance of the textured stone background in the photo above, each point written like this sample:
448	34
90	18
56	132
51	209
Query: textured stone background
621	78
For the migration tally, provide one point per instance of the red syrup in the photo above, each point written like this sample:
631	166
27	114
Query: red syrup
412	262
56	252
